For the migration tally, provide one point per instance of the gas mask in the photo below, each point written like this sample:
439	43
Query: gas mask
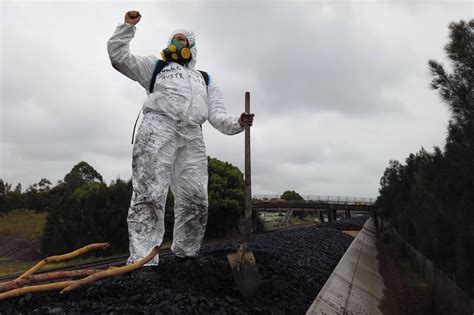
176	52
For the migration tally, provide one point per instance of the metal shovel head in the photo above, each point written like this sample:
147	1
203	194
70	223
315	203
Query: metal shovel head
245	272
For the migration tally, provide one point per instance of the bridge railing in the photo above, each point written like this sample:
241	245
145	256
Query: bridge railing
322	199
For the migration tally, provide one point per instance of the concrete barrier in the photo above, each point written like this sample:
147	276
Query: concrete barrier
355	286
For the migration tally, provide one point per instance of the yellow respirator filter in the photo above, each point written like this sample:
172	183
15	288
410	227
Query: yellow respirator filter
186	53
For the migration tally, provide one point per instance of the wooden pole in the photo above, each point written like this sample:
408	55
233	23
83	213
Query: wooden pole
248	186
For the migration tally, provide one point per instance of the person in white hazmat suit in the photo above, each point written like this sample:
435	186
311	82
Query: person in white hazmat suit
169	150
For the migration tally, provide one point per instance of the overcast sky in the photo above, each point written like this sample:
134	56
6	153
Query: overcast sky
338	88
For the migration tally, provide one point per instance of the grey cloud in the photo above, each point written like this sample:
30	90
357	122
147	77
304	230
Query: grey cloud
326	65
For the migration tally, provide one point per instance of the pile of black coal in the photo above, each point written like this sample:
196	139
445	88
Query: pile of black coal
294	265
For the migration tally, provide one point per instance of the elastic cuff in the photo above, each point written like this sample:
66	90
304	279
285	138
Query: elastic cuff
239	128
133	27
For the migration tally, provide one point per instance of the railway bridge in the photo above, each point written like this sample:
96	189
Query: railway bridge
324	205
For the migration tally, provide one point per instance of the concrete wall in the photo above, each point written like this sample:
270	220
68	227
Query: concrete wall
355	286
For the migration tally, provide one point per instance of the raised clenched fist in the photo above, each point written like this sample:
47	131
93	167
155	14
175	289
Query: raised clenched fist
132	17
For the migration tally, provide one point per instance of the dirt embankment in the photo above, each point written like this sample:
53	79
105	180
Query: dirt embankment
16	249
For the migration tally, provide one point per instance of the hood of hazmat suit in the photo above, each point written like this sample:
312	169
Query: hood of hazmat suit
169	150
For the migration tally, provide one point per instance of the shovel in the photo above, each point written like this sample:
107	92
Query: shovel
242	263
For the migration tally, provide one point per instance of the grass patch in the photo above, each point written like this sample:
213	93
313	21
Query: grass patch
296	221
306	219
22	223
413	279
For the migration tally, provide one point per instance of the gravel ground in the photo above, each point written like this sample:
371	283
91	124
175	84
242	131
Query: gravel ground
355	223
293	264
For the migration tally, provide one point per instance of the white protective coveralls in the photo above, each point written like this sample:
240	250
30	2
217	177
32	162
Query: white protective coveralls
169	150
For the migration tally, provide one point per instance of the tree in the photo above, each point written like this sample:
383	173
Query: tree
80	211
18	188
457	88
226	197
4	188
44	185
11	199
291	195
82	174
37	195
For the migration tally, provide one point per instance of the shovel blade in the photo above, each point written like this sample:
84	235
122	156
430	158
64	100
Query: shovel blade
245	272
